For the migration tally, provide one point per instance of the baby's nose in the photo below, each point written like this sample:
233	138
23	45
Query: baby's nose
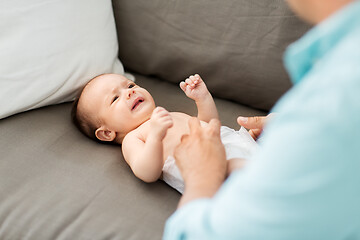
130	92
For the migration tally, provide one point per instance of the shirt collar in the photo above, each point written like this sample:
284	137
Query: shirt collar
301	55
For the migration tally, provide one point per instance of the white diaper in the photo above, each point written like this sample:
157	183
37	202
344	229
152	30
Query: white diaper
238	144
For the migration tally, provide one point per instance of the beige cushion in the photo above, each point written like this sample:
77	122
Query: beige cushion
50	49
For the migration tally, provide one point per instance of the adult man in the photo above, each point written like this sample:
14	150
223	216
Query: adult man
303	182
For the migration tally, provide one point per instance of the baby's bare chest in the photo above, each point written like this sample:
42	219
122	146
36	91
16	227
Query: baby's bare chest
174	134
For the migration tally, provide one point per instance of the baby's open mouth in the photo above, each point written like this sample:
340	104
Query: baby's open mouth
137	102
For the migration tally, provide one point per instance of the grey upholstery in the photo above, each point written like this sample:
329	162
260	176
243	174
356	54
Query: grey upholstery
57	184
232	44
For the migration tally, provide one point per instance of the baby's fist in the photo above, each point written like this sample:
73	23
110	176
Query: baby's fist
194	87
160	121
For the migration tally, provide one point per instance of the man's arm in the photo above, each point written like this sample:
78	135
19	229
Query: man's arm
212	161
287	191
301	184
195	88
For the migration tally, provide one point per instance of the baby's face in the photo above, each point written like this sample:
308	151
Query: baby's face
118	103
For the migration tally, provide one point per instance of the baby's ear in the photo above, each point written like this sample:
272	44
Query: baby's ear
104	134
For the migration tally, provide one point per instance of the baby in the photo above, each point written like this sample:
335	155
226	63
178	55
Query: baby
113	108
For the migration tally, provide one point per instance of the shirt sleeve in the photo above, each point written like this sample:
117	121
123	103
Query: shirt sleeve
195	227
302	184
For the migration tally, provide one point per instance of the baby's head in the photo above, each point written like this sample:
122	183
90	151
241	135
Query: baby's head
110	106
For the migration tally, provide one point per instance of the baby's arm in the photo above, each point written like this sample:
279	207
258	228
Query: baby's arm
146	158
195	88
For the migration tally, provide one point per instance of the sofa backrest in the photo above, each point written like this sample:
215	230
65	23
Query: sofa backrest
235	45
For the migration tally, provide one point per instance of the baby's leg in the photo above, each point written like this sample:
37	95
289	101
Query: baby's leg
234	164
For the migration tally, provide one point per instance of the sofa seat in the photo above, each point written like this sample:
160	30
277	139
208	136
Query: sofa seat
58	184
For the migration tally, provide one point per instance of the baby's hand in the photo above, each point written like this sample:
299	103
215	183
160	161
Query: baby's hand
160	122
194	87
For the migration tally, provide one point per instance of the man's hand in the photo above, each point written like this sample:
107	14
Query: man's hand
201	159
254	124
160	122
195	88
234	164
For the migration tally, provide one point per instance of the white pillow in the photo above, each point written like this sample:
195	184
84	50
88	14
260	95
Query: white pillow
50	49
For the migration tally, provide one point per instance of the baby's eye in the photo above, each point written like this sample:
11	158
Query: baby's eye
115	98
131	85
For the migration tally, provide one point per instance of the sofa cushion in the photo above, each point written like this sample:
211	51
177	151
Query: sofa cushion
58	184
49	49
236	45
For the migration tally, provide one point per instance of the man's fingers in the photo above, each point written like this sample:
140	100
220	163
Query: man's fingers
255	133
184	137
214	126
179	148
257	122
212	129
194	125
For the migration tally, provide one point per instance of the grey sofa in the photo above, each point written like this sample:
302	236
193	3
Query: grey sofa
57	184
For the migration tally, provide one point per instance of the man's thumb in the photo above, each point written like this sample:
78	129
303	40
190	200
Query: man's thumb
251	122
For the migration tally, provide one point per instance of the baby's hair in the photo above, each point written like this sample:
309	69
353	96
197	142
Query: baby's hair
85	123
82	122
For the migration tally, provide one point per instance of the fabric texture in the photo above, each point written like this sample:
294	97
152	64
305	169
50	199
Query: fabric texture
58	184
50	49
238	144
229	43
302	183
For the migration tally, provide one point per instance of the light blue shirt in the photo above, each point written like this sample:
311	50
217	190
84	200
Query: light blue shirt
304	183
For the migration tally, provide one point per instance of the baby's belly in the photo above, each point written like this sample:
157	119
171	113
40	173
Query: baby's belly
171	140
174	134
